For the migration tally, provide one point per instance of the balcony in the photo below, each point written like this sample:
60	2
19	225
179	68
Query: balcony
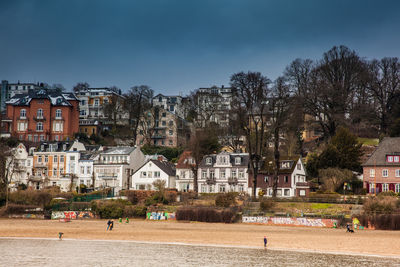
211	180
158	137
40	164
232	181
107	176
22	118
58	119
39	118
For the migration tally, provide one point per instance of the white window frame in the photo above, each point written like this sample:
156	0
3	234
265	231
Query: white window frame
39	127
58	113
385	173
39	113
385	187
22	114
208	161
372	173
238	160
397	188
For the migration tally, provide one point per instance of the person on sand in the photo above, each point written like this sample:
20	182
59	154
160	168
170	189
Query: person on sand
111	225
265	242
108	224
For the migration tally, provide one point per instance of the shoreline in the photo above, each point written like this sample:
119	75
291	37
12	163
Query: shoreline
208	245
371	243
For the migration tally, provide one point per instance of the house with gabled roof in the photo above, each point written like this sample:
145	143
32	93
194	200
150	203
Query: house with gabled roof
381	172
184	172
291	178
151	171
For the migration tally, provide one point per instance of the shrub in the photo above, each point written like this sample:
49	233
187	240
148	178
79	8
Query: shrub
266	204
205	214
109	209
16	209
387	194
381	221
226	199
380	205
135	211
138	196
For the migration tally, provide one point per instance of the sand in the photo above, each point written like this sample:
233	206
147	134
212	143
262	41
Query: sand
363	242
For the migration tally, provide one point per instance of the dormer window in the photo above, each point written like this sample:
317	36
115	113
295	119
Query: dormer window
58	114
285	165
208	161
238	160
39	113
392	158
22	113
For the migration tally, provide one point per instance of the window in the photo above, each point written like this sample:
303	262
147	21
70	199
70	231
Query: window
233	173
286	179
35	138
171	123
55	159
266	179
299	166
62	158
385	173
372	173
83	102
183	174
302	193
204	174
241	188
170	142
164	114
372	188
88	169
46	158
203	188
171	108
143	174
56	138
208	161
385	187
222	174
39	159
22	114
39	113
82	170
41	138
212	174
58	114
222	188
397	188
96	102
150	174
54	171
397	172
156	174
22	126
71	158
390	158
241	174
286	192
39	126
238	160
171	132
163	123
29	137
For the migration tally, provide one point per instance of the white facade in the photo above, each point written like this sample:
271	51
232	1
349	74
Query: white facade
85	172
115	166
151	171
224	172
18	167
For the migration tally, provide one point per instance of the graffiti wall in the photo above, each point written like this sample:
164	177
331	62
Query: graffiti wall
26	216
73	215
314	222
160	215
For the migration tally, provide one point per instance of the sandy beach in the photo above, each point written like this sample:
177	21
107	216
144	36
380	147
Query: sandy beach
365	242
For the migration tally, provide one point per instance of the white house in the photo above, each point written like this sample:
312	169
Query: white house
184	172
113	167
223	172
151	171
18	167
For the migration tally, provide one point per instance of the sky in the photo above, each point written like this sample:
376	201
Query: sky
177	46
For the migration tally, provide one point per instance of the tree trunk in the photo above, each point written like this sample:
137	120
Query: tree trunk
276	158
195	180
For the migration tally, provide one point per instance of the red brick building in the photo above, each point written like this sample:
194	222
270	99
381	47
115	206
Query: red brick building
381	172
42	115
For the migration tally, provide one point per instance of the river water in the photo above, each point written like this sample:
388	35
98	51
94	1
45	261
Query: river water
50	252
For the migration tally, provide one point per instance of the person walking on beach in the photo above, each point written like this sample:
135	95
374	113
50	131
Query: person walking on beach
111	225
108	224
265	242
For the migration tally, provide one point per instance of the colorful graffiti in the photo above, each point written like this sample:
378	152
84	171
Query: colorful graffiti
313	222
72	215
26	216
160	215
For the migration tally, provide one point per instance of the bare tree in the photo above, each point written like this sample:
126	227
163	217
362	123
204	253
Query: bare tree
251	107
80	86
280	104
138	100
203	142
385	88
114	108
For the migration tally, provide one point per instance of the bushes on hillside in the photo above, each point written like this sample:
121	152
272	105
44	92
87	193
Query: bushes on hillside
226	199
135	211
17	209
266	204
113	209
204	214
138	196
381	205
381	221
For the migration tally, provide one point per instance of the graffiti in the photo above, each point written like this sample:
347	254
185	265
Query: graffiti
253	219
158	216
26	216
312	222
72	215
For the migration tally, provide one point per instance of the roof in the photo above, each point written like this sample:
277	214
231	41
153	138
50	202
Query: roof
388	146
183	160
291	164
165	166
119	150
56	98
244	162
54	146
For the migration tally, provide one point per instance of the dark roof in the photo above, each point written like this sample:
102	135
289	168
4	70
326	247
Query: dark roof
54	146
388	146
166	167
268	168
232	156
56	98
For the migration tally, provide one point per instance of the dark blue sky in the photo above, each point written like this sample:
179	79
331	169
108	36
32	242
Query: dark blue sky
179	45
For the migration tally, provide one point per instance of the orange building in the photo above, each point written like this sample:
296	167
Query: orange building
43	115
